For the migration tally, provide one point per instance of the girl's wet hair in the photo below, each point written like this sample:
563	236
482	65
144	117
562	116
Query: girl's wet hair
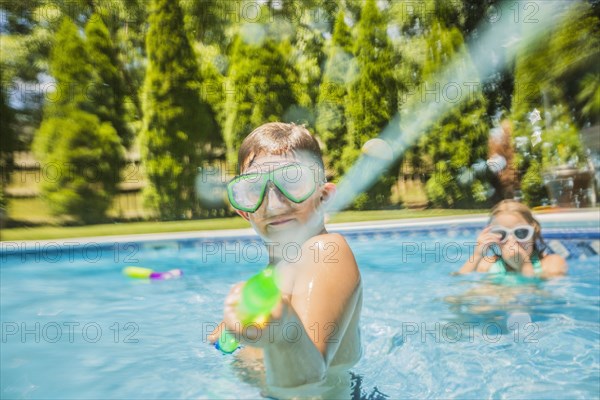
278	138
513	206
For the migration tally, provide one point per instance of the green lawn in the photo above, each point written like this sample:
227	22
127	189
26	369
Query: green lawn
131	228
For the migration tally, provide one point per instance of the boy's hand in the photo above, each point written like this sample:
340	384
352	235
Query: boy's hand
255	334
214	335
234	293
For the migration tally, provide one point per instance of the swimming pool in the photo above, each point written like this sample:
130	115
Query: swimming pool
74	327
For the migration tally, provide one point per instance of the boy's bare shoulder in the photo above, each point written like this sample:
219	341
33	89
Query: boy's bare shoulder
327	247
326	265
331	252
327	238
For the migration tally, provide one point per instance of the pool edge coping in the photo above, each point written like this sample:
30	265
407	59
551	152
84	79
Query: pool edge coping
342	227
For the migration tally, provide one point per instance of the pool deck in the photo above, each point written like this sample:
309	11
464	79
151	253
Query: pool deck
583	216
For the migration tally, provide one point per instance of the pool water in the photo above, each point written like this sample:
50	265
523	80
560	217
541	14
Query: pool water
73	327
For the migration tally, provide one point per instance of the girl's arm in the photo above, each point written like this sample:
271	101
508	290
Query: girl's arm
554	265
477	261
471	264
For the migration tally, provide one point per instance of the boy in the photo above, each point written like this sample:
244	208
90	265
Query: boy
313	332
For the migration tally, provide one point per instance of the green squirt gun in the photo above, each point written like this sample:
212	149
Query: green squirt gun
259	295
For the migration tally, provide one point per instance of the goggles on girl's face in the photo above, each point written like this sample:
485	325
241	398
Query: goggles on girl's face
297	182
522	233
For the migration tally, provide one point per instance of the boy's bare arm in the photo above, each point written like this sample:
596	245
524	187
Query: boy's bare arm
324	299
325	294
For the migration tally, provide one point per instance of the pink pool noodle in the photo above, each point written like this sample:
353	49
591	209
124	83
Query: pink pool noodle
174	273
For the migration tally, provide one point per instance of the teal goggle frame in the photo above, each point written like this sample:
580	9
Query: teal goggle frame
297	182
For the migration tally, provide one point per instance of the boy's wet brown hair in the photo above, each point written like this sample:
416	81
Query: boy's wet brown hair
277	138
513	206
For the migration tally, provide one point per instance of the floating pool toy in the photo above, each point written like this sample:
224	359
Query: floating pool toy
174	273
259	295
147	273
137	272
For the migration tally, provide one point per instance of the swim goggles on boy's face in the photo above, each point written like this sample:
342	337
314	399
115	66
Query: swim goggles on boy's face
297	182
522	233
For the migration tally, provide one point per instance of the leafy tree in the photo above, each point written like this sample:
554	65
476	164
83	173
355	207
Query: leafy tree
372	99
19	16
7	144
477	18
574	47
546	133
372	96
458	140
27	38
416	20
177	124
208	20
307	56
260	83
126	21
589	96
212	90
331	118
70	67
7	137
84	153
532	184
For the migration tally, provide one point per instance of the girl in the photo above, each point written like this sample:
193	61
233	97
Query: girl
514	235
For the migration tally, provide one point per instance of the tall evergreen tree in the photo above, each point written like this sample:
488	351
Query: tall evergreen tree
84	153
107	88
212	90
70	66
126	22
331	112
177	124
27	37
84	162
208	20
260	83
458	140
372	97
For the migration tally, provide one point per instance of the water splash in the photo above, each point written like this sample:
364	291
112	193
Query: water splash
417	116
